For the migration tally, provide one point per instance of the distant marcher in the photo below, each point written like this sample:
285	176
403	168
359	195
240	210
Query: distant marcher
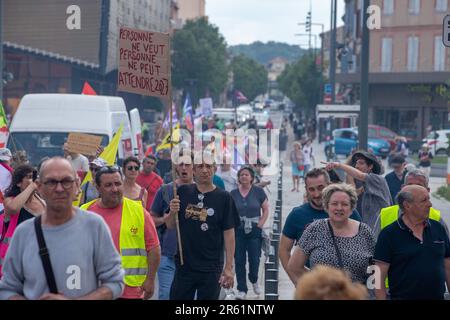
413	252
5	169
79	162
328	283
297	164
227	173
308	155
425	157
149	180
131	189
253	208
395	178
338	241
82	255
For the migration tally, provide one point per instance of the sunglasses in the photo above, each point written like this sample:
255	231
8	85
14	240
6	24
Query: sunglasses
108	169
131	168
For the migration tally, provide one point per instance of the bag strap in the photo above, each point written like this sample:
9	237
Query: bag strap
45	256
338	252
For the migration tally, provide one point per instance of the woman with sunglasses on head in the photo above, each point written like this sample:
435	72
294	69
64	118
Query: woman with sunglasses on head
131	189
21	203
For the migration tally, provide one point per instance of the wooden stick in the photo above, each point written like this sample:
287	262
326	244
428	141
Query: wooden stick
174	176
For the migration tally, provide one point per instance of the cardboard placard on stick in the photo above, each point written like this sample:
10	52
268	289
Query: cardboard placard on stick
86	144
144	62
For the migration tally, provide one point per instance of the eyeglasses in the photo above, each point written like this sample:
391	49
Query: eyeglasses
131	168
65	183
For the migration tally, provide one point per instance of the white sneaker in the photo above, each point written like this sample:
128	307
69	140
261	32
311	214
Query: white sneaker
241	295
256	288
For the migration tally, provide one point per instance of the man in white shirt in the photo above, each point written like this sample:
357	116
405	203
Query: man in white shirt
79	162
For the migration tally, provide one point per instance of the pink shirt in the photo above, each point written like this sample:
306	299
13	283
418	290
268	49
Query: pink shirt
113	218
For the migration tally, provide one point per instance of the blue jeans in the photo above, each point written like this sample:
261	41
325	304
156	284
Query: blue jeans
166	272
247	243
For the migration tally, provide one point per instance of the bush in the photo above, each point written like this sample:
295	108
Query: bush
444	192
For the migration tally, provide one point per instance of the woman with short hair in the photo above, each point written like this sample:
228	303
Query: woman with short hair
338	241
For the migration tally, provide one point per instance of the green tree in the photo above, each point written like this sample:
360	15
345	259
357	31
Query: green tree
249	77
302	82
200	56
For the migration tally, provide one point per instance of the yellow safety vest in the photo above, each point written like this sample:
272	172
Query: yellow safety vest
131	241
390	214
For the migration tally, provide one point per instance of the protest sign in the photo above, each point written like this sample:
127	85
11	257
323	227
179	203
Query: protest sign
207	107
144	62
85	144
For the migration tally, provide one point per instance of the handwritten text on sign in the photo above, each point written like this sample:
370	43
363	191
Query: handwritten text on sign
144	62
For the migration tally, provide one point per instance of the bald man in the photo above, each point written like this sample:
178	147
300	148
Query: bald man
414	251
84	261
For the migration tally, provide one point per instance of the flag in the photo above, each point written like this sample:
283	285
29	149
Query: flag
240	96
108	154
3	127
188	114
166	123
87	89
165	143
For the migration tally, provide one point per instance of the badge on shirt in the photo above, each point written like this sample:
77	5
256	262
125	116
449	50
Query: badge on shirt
200	205
210	212
195	213
204	227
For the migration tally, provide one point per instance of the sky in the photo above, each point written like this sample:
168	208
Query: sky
246	21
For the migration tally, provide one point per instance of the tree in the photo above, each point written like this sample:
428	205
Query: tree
249	77
199	59
302	82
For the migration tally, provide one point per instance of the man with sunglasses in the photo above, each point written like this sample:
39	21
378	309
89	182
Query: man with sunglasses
88	190
82	256
207	218
148	179
133	233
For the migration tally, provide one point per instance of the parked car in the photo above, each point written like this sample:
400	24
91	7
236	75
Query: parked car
344	141
438	141
379	132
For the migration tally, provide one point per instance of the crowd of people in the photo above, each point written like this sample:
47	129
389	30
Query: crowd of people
198	226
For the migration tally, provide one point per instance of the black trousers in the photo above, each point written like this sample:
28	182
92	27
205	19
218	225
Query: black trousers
187	282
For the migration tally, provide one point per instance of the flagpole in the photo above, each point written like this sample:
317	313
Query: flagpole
174	176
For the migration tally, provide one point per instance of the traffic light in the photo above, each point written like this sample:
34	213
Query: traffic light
308	22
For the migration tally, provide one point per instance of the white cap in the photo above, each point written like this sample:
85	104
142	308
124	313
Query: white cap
5	154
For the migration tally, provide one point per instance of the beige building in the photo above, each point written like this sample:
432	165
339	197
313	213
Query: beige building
409	65
191	9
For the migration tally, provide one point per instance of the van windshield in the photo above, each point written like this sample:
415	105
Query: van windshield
41	144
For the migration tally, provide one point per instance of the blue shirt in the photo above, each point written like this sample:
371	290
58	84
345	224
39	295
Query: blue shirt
303	216
168	237
416	268
217	181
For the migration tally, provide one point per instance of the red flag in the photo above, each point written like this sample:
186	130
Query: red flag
87	89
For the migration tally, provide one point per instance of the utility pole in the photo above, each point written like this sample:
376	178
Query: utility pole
364	107
332	75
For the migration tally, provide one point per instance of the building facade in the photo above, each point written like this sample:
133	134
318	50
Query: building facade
409	65
44	54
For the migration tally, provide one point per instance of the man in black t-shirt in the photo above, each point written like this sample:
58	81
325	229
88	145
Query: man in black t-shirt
207	218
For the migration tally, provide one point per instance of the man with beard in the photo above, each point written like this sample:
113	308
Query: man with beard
300	217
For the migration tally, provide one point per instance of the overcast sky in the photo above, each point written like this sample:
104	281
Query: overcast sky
246	21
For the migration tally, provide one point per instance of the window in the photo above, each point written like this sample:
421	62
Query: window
441	5
388	7
414	7
413	53
439	54
386	54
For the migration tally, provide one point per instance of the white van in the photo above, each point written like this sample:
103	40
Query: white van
42	123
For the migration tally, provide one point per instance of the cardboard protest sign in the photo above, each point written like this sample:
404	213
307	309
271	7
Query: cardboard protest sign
144	62
85	144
